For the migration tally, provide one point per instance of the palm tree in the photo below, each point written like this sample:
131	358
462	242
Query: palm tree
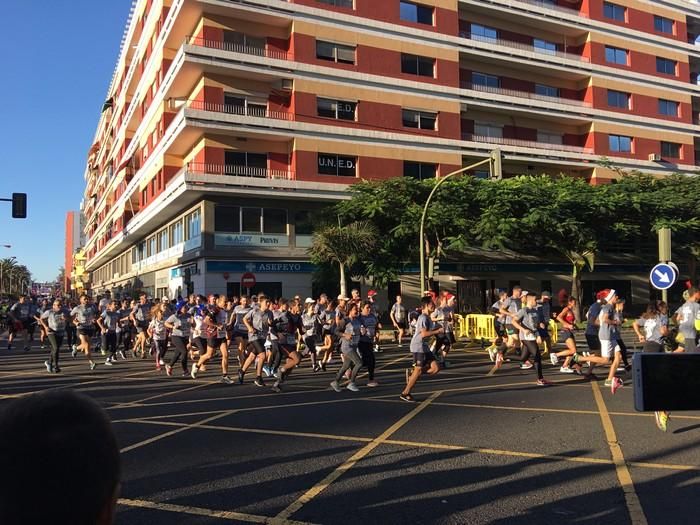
7	266
343	245
13	275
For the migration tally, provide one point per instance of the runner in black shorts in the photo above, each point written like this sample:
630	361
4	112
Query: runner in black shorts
258	322
84	318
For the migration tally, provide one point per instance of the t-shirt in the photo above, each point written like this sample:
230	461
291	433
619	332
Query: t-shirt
21	311
687	314
399	312
593	314
141	312
158	330
85	315
57	320
529	318
605	329
369	322
124	317
240	312
513	306
353	327
104	302
181	324
418	344
652	327
496	307
260	321
110	320
309	323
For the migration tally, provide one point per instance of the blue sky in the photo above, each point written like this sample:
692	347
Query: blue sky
57	62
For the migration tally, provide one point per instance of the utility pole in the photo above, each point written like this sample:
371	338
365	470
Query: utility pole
664	254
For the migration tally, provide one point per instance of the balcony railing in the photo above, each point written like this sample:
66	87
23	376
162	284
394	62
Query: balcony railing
250	111
199	168
523	94
525	143
238	48
555	7
523	47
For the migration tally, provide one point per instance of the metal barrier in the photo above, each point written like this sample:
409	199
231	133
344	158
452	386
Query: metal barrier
481	327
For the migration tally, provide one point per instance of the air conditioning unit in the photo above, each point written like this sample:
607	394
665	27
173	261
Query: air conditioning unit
654	157
287	84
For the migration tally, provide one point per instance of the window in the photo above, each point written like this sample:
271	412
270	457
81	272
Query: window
614	12
419	170
243	106
151	246
251	219
275	221
620	143
544	46
665	66
663	25
618	99
479	32
420	14
481	174
668	107
482	79
616	55
176	233
340	165
671	150
163	240
548	137
337	109
193	226
246	164
251	44
546	91
303	225
338	3
419	119
483	129
335	52
227	218
417	65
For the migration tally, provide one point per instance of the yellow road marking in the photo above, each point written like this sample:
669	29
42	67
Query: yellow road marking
349	463
634	507
176	431
210	513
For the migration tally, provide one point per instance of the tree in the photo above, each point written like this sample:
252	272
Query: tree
343	245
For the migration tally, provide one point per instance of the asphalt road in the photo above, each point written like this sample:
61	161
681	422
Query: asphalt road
473	449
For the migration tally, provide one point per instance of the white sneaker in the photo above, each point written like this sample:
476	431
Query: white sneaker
352	387
108	362
193	372
553	358
335	386
161	362
492	353
566	370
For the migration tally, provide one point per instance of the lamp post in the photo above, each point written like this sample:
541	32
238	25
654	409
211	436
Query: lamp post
494	162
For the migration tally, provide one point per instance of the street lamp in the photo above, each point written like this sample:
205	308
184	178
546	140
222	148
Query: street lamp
494	162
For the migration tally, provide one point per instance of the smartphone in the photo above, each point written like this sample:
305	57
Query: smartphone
666	381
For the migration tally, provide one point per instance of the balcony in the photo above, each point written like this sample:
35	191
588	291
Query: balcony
523	47
524	94
544	4
526	144
238	48
257	112
199	168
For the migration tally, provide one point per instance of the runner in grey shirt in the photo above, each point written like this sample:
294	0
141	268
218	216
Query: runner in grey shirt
423	359
686	316
54	321
349	340
655	326
399	318
180	324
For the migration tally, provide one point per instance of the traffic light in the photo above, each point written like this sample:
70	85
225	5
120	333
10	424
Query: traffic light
496	164
19	205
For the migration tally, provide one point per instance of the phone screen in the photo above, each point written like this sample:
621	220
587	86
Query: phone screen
666	381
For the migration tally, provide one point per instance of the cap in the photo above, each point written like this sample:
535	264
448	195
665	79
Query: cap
524	293
546	294
371	293
341	297
611	294
601	295
180	304
309	300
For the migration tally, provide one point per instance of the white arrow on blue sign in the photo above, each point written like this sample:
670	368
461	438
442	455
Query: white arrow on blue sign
663	276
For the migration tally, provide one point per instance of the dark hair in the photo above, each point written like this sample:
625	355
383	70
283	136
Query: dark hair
62	440
425	301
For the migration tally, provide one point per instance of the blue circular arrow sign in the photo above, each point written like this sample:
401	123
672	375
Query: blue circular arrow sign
663	276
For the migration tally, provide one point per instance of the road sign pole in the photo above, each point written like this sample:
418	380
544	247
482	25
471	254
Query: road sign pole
664	254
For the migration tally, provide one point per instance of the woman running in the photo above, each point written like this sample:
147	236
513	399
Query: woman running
369	328
180	324
528	321
84	319
567	319
311	329
158	334
349	340
288	329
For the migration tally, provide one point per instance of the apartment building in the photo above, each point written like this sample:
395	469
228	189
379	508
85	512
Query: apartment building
228	124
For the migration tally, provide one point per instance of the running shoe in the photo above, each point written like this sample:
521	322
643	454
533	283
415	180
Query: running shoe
372	384
543	382
317	367
492	353
323	366
48	366
57	370
266	369
661	420
566	370
169	370
241	375
193	372
226	380
407	397
276	387
161	362
26	349
527	365
617	383
121	355
185	373
554	359
108	362
259	382
103	352
335	386
352	387
93	365
620	369
43	347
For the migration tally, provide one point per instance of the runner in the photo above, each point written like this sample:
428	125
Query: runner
349	340
529	322
423	359
545	306
370	326
84	318
619	316
686	316
240	331
567	319
180	324
288	329
158	334
510	307
54	322
214	327
19	314
311	330
43	307
108	322
444	316
498	345
140	316
126	328
258	322
399	318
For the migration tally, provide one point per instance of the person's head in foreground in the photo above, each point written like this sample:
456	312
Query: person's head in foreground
59	461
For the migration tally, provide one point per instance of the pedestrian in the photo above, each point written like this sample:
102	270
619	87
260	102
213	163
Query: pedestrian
349	341
54	321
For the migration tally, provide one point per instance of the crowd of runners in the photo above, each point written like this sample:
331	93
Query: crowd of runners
270	338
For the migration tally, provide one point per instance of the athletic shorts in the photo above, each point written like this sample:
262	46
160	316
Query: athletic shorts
287	349
215	342
422	359
86	331
652	347
608	348
18	326
568	334
593	342
141	326
402	324
240	334
257	347
510	330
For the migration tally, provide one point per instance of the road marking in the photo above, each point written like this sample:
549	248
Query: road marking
634	506
176	431
349	463
136	403
198	511
498	407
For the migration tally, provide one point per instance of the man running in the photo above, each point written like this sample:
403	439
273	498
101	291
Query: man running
54	322
20	314
84	318
140	316
108	322
399	318
686	316
258	322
